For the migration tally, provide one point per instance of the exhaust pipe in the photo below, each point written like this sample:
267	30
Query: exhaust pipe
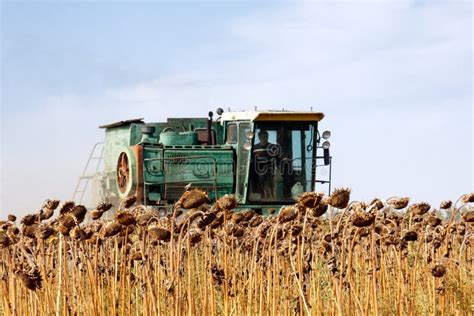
209	128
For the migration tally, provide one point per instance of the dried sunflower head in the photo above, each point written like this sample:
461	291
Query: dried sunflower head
31	280
137	256
111	229
66	207
320	209
310	199
376	204
205	220
29	219
194	237
104	206
227	202
363	219
159	233
46	213
433	220
218	221
64	229
95	226
340	198
398	203
5	240
129	201
238	231
248	215
51	204
94	239
468	216
193	199
77	233
125	218
30	231
68	220
468	198
237	217
446	205
256	221
295	230
13	230
438	270
419	208
410	235
44	231
79	212
287	214
96	214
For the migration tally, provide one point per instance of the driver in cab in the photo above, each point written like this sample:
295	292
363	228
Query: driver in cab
262	169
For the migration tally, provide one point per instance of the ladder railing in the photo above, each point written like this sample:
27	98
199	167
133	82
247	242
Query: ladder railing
83	182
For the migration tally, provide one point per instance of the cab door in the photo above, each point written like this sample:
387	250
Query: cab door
236	136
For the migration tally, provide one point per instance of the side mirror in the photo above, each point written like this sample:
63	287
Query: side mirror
327	158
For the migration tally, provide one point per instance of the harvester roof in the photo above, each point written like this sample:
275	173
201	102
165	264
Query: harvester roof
121	123
273	116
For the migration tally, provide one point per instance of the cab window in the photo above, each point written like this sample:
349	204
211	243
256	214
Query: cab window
231	134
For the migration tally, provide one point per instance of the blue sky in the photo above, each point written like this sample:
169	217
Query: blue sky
58	48
394	79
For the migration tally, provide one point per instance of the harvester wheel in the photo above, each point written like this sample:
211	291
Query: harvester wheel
123	172
126	173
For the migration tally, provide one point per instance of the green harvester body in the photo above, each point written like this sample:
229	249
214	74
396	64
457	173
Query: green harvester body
157	162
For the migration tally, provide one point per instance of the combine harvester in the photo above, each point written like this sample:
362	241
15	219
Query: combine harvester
265	158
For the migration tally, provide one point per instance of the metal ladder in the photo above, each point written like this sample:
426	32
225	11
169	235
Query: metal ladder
84	179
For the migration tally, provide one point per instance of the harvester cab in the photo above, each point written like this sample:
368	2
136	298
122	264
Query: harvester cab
265	158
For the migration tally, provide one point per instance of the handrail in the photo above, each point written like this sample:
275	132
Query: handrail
91	157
